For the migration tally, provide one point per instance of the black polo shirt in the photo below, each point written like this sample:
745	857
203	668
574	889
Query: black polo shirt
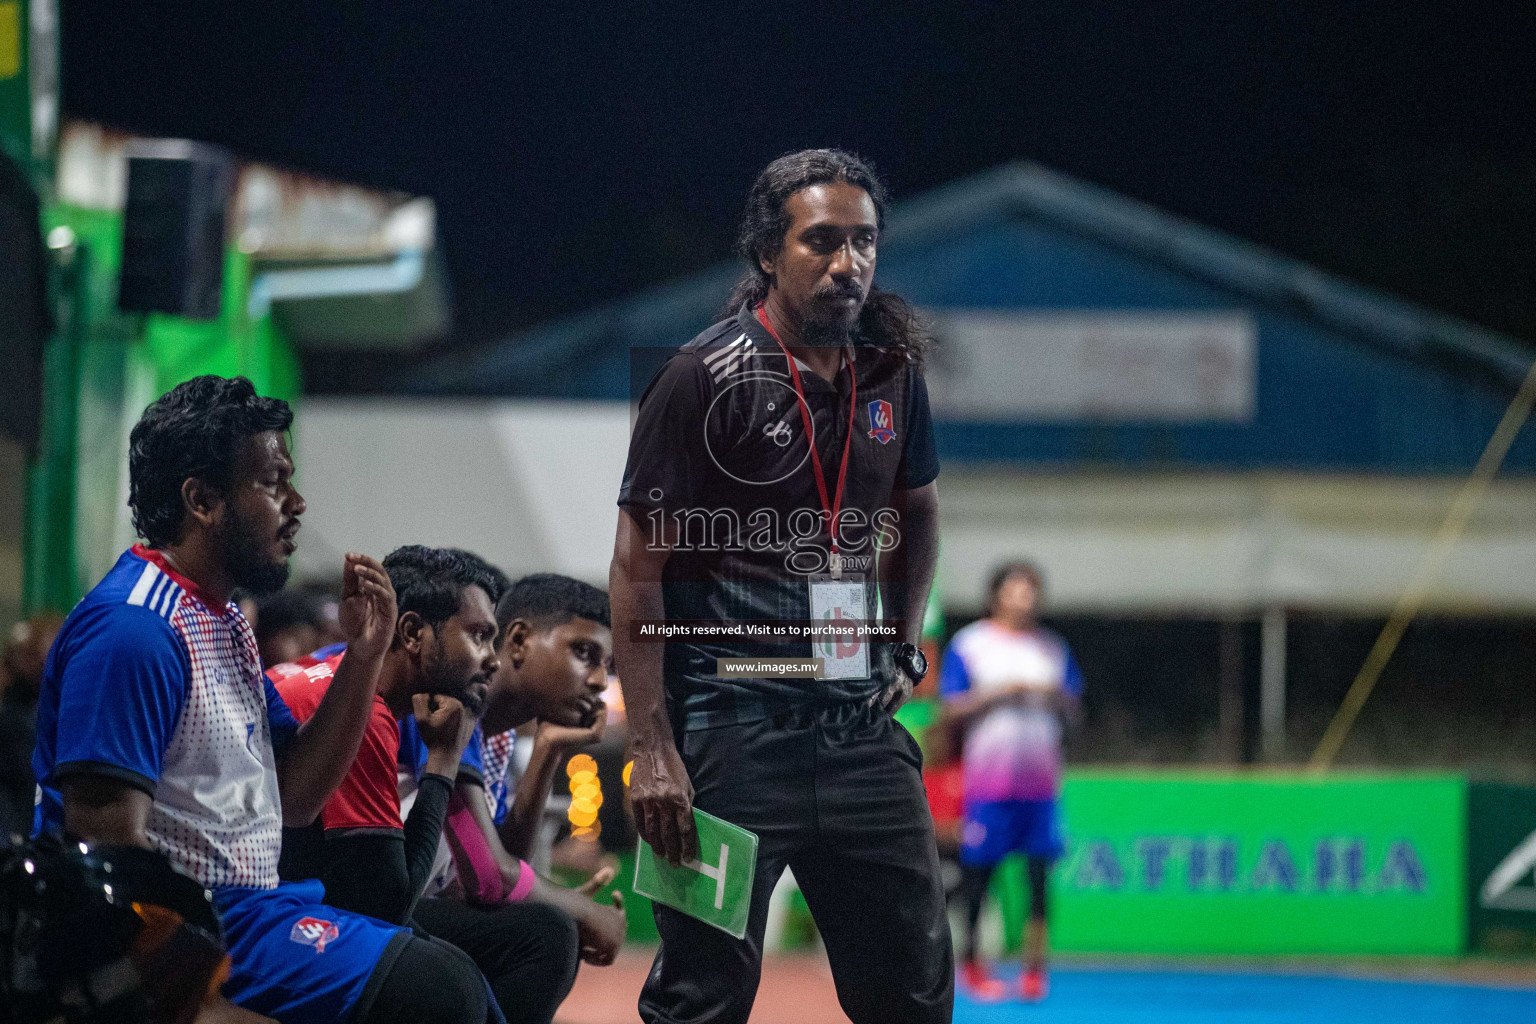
719	446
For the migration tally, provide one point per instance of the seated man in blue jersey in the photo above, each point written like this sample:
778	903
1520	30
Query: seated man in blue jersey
156	727
554	655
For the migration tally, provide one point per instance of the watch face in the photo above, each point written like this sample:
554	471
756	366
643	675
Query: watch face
917	661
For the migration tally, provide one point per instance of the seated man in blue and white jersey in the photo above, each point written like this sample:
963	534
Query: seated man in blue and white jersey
1009	685
157	728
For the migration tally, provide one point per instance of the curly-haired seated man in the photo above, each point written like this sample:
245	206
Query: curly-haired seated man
156	727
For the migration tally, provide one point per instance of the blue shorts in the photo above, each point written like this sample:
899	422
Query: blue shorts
995	829
296	959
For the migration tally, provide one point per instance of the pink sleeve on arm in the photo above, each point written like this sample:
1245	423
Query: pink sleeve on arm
479	873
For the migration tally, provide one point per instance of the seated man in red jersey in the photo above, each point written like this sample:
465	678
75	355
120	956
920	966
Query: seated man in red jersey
369	861
553	659
437	668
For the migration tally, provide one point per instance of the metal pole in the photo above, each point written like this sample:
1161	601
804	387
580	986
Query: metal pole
50	581
1272	684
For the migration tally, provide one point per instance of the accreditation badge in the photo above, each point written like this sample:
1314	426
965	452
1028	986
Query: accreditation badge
838	608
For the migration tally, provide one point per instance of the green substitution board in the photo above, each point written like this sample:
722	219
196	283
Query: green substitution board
716	888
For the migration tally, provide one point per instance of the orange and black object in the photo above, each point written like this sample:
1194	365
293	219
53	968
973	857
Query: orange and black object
104	933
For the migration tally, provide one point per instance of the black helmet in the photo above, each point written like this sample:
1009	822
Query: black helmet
105	935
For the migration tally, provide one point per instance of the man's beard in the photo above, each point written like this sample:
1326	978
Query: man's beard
443	679
251	570
828	325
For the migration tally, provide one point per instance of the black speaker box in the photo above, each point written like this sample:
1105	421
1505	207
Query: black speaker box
24	315
173	228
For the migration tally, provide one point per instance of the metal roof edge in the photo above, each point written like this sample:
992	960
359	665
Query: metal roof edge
1070	204
1261	274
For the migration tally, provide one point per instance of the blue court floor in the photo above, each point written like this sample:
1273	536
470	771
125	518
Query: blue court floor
1081	996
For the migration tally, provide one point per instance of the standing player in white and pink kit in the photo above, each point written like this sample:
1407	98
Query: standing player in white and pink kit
1010	686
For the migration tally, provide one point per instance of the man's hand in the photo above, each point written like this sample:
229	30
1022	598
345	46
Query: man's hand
445	728
662	797
900	688
572	737
367	609
897	694
601	931
322	751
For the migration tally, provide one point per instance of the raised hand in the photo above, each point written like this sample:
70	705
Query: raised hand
367	609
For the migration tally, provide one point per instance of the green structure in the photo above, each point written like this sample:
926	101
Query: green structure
15	82
1215	864
101	369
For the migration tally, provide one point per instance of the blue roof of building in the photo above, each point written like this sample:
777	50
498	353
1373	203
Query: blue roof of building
1348	379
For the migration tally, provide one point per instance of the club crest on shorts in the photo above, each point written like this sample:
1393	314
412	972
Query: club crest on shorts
880	422
314	931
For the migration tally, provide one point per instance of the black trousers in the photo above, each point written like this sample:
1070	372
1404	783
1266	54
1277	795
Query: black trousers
527	951
835	794
422	980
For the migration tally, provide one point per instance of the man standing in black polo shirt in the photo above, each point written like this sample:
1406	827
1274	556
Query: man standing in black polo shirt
782	469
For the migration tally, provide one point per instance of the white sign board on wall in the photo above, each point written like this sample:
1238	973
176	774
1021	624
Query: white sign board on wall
1096	366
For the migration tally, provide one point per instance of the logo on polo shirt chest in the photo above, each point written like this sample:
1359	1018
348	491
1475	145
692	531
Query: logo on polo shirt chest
881	422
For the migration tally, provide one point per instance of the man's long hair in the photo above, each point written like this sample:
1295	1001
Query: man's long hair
887	320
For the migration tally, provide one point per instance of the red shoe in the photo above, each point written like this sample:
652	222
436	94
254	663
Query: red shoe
978	983
1033	986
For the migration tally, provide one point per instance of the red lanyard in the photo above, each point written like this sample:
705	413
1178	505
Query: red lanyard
829	510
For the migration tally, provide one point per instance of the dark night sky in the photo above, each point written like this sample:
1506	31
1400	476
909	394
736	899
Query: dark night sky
580	151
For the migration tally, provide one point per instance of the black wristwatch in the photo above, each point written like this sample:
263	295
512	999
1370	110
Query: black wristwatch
911	660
